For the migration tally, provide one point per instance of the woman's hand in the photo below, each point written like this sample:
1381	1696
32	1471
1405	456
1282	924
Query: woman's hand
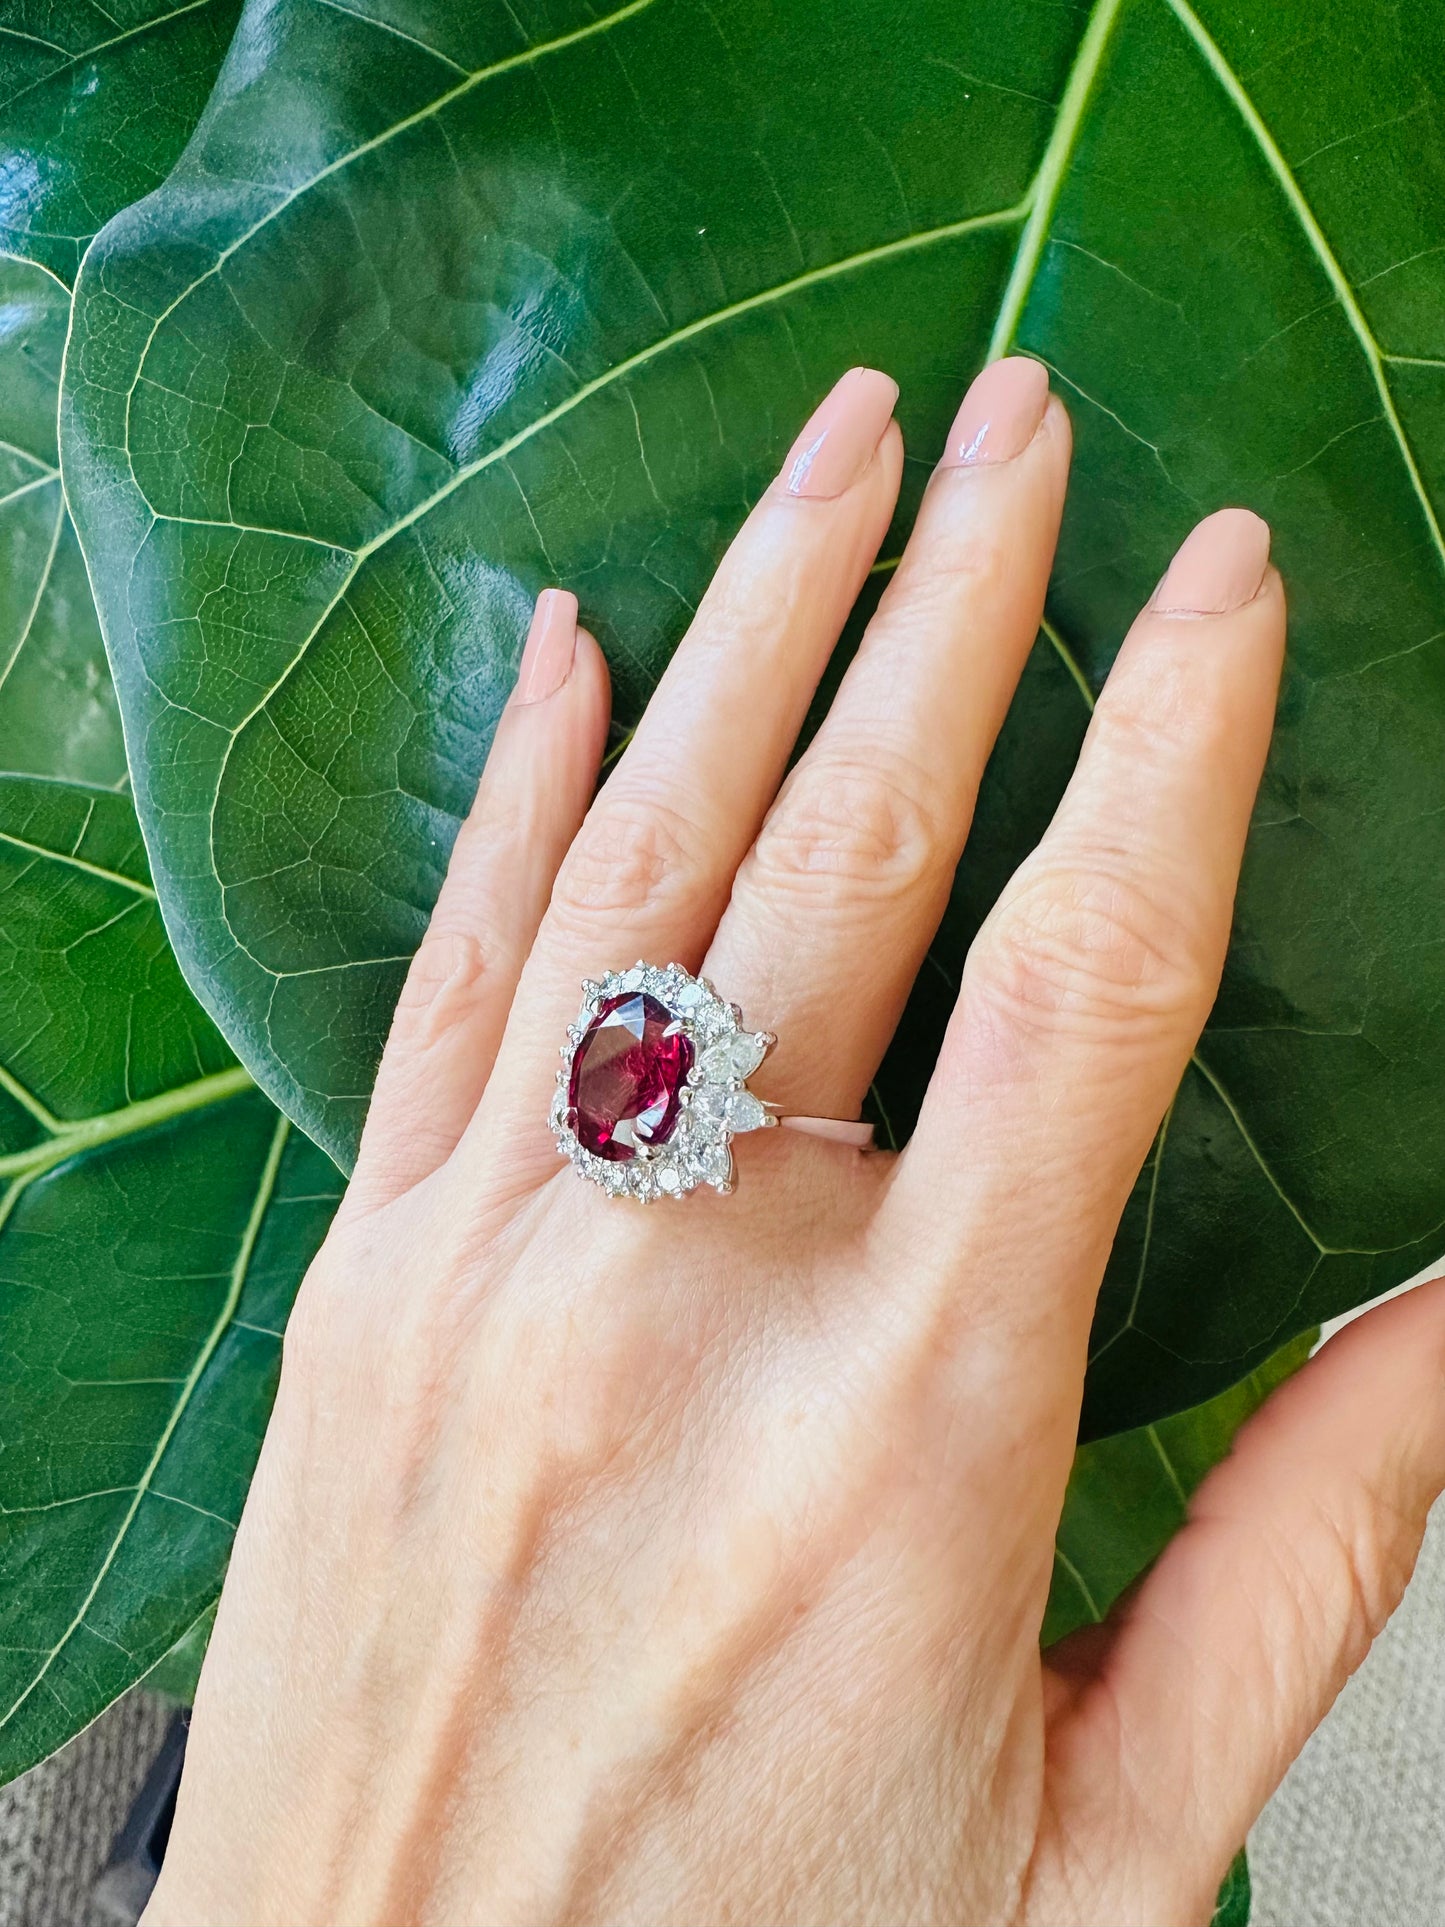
687	1565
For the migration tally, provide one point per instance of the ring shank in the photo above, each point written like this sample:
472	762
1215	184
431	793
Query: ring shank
835	1128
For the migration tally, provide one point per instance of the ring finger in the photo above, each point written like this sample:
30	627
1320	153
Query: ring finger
834	907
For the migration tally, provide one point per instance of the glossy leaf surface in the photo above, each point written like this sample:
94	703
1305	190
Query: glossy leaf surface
446	302
95	104
156	1212
155	1217
58	713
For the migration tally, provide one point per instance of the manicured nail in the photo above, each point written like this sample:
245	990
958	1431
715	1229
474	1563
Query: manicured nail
551	643
1219	566
842	433
1000	414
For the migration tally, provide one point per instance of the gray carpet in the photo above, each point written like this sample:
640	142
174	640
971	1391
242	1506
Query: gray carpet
1356	1835
57	1823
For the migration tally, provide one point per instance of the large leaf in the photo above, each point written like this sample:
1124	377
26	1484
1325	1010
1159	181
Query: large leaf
156	1212
155	1217
445	301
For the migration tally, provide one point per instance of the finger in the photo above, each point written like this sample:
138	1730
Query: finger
839	898
1183	1715
651	867
538	780
1086	990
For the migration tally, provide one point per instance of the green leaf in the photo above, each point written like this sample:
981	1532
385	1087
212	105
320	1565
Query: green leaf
94	106
445	302
58	713
1232	1907
94	109
1128	1495
178	1672
156	1214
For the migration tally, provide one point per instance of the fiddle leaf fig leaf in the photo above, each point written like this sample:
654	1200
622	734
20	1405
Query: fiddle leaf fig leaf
447	302
156	1211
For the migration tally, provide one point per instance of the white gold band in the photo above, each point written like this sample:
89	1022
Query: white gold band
835	1128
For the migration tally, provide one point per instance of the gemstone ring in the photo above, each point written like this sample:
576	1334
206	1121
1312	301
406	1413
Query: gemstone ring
653	1086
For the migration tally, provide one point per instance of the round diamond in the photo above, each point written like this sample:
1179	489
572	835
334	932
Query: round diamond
627	1077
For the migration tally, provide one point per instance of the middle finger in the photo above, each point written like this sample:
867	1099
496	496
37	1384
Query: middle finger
837	902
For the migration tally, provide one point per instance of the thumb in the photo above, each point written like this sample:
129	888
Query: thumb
1191	1705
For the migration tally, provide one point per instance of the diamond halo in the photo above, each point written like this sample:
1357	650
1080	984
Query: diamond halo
715	1103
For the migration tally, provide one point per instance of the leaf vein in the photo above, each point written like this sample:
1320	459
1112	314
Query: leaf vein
264	1191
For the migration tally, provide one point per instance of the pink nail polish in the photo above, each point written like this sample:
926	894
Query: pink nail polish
841	434
551	643
1000	414
1219	566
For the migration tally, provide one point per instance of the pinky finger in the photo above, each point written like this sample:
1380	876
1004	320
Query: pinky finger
535	789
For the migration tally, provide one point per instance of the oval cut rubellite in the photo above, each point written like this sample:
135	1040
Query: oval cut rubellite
628	1074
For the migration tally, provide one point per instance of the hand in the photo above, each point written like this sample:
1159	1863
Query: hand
687	1565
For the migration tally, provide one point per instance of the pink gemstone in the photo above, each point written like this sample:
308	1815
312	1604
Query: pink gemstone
627	1078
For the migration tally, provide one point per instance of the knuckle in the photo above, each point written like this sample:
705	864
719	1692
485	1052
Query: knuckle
1091	949
450	976
865	827
1370	1553
445	959
631	851
951	580
968	562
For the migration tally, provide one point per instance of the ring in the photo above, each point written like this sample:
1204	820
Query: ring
654	1086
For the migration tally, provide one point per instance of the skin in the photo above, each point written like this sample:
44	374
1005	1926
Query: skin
687	1565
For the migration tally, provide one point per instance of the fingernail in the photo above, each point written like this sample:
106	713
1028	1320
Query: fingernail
1000	414
1219	566
842	432
551	643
